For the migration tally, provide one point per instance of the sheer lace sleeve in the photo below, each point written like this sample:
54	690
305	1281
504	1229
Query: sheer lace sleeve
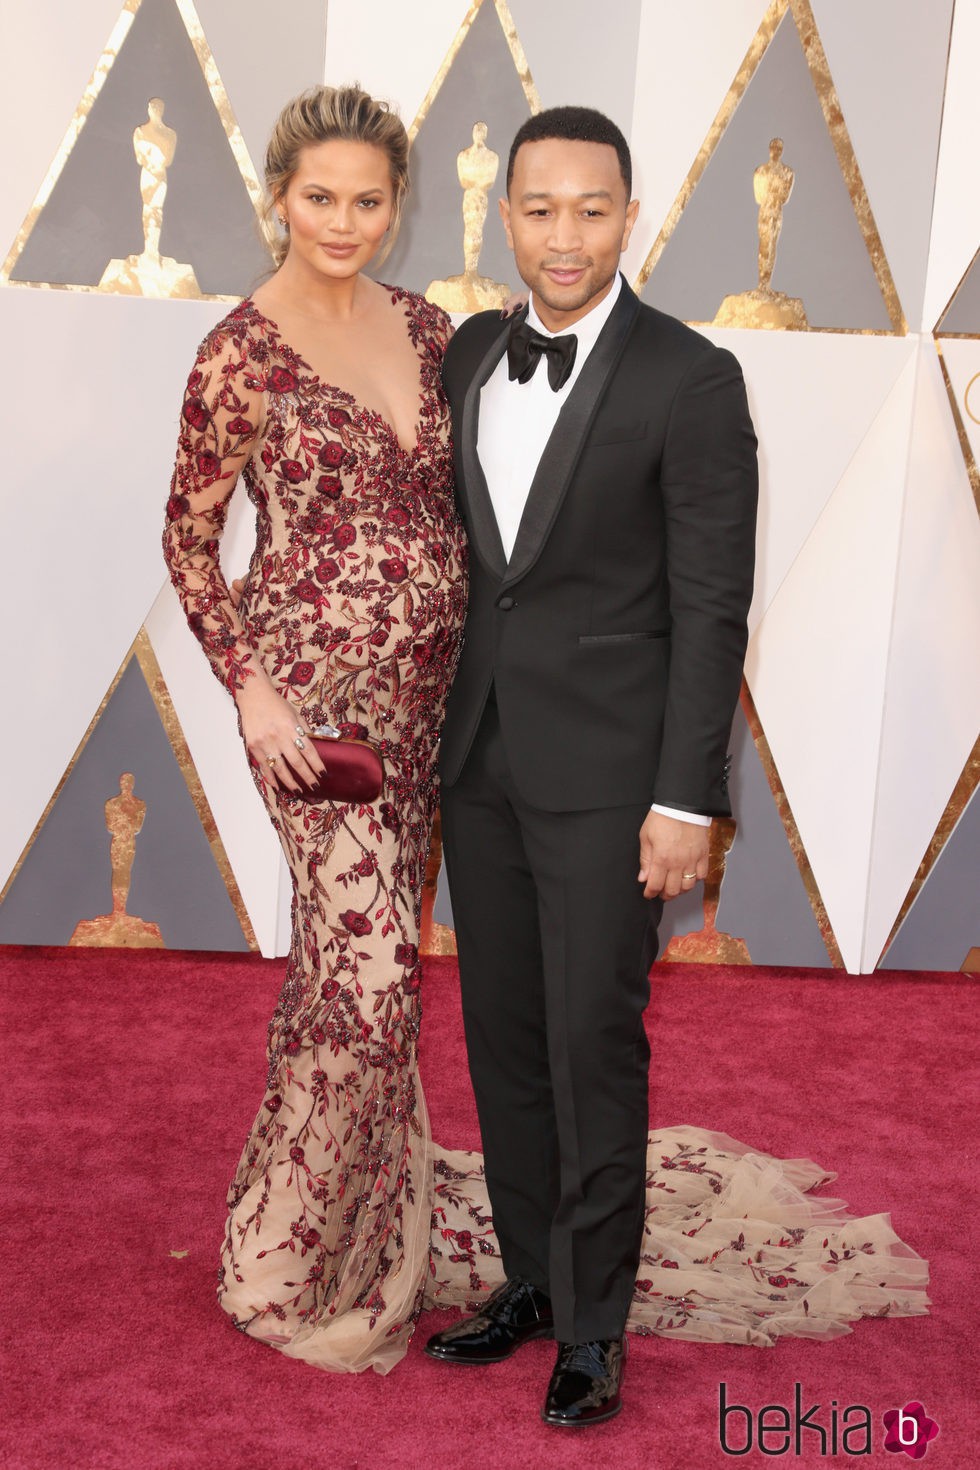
221	422
430	325
443	331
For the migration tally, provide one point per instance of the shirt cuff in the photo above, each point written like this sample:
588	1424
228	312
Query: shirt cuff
672	811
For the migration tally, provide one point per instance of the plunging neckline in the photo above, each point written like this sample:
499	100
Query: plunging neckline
321	385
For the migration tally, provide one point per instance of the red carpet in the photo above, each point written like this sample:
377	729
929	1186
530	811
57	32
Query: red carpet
133	1077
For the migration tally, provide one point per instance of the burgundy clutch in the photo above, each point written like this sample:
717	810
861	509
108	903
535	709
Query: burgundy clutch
354	770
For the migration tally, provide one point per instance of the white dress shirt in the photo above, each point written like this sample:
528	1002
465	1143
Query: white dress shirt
515	423
516	419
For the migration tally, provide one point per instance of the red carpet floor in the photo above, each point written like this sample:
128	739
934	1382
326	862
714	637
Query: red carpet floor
132	1079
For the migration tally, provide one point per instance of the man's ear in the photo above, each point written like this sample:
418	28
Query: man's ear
504	207
632	210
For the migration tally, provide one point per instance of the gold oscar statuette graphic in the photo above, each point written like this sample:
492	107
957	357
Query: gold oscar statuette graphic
765	308
124	816
708	946
150	273
477	169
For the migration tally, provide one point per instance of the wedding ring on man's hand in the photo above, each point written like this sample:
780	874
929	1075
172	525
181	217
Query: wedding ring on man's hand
299	743
689	877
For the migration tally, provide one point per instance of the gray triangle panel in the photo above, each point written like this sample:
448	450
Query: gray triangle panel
963	314
482	85
821	256
763	900
943	924
66	876
94	213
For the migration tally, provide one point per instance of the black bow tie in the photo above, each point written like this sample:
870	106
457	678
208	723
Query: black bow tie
525	347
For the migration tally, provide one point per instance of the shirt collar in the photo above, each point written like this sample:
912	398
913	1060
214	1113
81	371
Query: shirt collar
588	327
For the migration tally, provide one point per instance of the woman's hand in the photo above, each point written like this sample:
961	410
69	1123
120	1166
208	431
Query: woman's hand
276	736
514	303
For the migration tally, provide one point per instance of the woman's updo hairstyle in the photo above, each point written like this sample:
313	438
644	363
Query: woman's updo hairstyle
321	115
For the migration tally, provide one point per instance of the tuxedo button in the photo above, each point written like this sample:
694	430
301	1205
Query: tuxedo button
506	602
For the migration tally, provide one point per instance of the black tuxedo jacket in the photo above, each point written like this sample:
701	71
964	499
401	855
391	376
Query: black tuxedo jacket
615	635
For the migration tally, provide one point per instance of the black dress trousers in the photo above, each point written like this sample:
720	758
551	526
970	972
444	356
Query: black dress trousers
555	944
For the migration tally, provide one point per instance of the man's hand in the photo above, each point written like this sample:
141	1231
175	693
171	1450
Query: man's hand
673	855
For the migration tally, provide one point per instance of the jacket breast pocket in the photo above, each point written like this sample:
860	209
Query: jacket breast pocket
592	638
617	433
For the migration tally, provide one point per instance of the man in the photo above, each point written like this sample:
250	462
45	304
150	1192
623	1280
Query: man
609	498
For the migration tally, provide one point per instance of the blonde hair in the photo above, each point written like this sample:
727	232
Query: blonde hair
320	115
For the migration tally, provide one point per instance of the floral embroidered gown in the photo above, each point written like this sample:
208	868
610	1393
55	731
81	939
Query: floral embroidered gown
353	605
344	1217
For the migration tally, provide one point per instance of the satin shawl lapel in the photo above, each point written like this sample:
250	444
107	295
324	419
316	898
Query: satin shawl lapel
567	440
483	521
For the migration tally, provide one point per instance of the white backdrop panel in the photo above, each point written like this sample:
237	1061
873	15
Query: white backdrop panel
394	50
933	710
956	213
92	386
812	398
962	358
816	667
207	717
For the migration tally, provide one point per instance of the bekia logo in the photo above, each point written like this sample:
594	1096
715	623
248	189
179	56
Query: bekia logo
776	1429
909	1429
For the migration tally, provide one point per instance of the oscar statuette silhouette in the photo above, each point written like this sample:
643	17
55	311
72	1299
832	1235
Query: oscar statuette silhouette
150	273
763	307
124	816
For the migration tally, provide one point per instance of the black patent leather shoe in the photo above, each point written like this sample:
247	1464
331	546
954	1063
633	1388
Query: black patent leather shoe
512	1315
585	1386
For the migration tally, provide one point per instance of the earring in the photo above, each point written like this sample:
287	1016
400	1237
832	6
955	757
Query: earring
284	223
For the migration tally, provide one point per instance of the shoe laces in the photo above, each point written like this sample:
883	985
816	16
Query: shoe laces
514	1295
583	1357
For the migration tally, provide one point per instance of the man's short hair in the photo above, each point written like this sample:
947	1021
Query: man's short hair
578	125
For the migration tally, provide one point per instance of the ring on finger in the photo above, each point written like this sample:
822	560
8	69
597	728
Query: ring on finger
271	759
689	877
299	743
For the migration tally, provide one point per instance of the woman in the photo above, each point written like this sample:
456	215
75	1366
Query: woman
322	392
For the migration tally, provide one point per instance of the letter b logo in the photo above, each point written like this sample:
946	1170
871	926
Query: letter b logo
908	1428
